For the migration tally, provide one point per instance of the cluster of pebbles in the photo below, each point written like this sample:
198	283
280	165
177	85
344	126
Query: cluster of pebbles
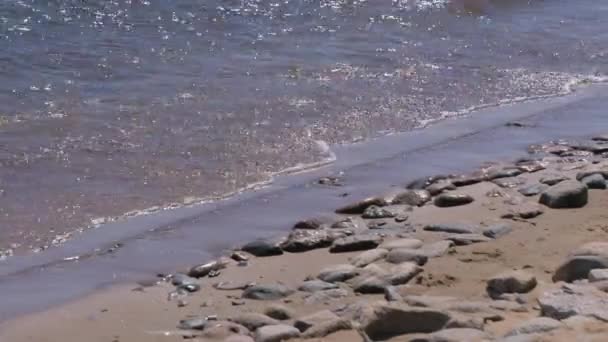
386	251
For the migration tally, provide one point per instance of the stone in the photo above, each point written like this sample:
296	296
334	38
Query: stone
508	183
531	166
376	212
262	248
314	223
238	338
532	190
401	243
553	179
359	207
401	274
400	255
338	273
534	326
412	197
598	274
468	180
239	256
523	211
350	223
571	300
601	137
585	174
267	292
276	333
192	324
278	312
421	183
595	181
429	301
440	187
232	285
496	231
454	228
316	285
325	296
591	146
306	322
355	243
503	173
436	249
510	282
457	335
203	270
182	281
370	284
452	200
467	239
369	257
581	261
220	330
252	320
567	194
391	294
324	329
303	240
384	321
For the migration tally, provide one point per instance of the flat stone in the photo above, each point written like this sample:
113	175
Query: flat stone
591	146
571	300
252	320
458	335
523	211
601	137
302	240
306	322
421	183
279	312
359	207
316	285
203	270
355	243
391	294
315	223
511	282
595	181
553	179
532	190
440	187
452	200
401	274
401	243
454	228
262	248
567	194
585	174
370	284
267	292
412	197
509	183
369	257
429	301
325	296
581	261
232	285
468	180
598	274
400	255
338	273
531	166
238	338
467	239
534	326
326	328
498	230
376	212
503	173
276	333
436	249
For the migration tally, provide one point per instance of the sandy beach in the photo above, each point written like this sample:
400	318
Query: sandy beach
514	252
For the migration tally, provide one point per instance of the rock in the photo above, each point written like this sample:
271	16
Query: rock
383	321
359	207
509	183
467	239
355	243
585	174
403	273
534	326
452	200
571	300
375	212
436	249
370	284
278	312
325	296
454	228
567	194
421	183
262	248
302	240
392	295
531	166
582	260
439	187
598	275
338	273
192	324
429	301
532	190
595	181
232	285
593	147
276	333
200	271
306	322
267	292
238	338
503	173
350	223
457	335
323	329
239	256
316	285
553	179
252	320
400	255
369	257
523	211
412	197
314	223
401	243
220	330
497	230
510	282
468	180
601	137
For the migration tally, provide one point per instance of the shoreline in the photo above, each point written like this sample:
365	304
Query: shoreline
482	256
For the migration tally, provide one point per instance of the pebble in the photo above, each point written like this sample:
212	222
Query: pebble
262	248
566	194
355	243
452	200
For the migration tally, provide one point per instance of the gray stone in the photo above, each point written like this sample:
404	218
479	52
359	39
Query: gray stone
262	248
252	320
315	223
585	174
531	166
523	211
391	294
503	173
553	179
316	285
325	296
401	243
522	338
511	282
591	146
436	249
440	187
302	240
355	243
571	300
534	326
467	239
582	260
598	274
278	312
400	255
359	207
458	335
452	200
429	301
454	228
232	285
369	257
567	194
338	273
509	183
595	181
220	330
238	338
353	223
267	292
403	273
532	190
326	328
192	324
468	180
412	197
375	212
601	137
498	230
276	333
306	322
370	284
421	183
182	280
203	270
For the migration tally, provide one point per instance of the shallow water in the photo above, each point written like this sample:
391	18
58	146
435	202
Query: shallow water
112	106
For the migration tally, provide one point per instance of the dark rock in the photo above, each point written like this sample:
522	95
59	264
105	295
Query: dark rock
534	326
602	137
401	274
412	197
497	230
581	261
595	181
302	240
314	223
439	187
452	200
421	183
369	257
370	284
355	243
503	173
467	239
567	194
375	212
252	320
510	282
532	190
359	207
454	228
262	248
585	174
316	285
508	183
276	333
553	179
200	271
572	300
383	321
338	273
591	146
278	312
267	292
468	180
400	255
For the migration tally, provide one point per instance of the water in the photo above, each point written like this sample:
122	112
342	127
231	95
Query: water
112	106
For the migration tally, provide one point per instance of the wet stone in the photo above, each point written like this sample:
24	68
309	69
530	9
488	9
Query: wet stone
355	243
508	183
504	173
532	190
316	285
302	240
412	197
359	207
468	180
452	200
375	212
553	179
595	181
440	187
454	228
267	292
566	194
262	248
200	271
